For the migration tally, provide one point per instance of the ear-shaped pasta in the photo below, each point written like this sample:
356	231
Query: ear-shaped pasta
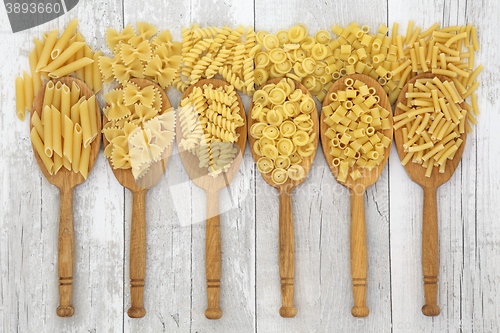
113	37
132	94
129	53
116	110
145	113
164	76
124	72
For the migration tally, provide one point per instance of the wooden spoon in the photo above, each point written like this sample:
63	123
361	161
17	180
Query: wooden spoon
212	187
430	239
286	237
139	188
359	260
66	181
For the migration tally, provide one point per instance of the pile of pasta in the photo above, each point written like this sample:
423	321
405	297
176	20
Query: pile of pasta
55	57
432	122
138	131
64	132
141	55
356	121
284	130
209	118
318	61
207	52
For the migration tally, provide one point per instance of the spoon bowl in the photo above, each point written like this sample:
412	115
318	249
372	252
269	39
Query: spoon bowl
359	261
286	235
66	181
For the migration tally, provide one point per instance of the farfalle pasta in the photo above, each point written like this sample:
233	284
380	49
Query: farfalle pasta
141	55
64	131
138	131
209	118
207	52
355	123
283	129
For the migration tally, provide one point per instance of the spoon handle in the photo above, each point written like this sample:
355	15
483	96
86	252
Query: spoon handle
359	260
286	255
66	254
213	256
138	255
430	253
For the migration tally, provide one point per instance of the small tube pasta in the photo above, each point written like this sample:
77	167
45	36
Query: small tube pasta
48	46
63	40
85	122
56	132
47	130
68	139
72	67
84	162
77	147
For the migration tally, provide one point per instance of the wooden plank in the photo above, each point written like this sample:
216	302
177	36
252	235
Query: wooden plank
323	293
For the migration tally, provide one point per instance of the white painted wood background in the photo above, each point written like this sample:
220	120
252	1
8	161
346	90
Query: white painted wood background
175	296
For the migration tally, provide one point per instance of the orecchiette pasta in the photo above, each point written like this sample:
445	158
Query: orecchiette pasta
284	130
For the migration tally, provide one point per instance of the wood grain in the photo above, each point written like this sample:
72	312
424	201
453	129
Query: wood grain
359	262
286	237
430	239
212	187
66	181
139	188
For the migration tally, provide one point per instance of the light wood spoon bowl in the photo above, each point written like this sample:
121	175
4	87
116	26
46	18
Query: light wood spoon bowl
66	181
286	236
430	239
139	188
212	187
359	260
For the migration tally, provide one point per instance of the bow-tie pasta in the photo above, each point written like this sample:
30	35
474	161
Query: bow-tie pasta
138	131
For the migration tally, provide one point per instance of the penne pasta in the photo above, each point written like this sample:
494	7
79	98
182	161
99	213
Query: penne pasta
48	46
37	80
93	116
47	130
84	162
88	69
72	67
85	122
68	139
96	74
80	54
65	106
63	57
63	40
77	147
56	133
37	124
39	147
20	99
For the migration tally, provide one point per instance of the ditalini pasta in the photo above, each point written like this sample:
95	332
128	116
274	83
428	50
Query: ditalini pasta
57	57
57	134
207	52
138	134
144	55
209	118
283	129
356	122
432	133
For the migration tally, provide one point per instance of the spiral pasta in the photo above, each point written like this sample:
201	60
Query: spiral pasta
209	51
209	118
283	131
